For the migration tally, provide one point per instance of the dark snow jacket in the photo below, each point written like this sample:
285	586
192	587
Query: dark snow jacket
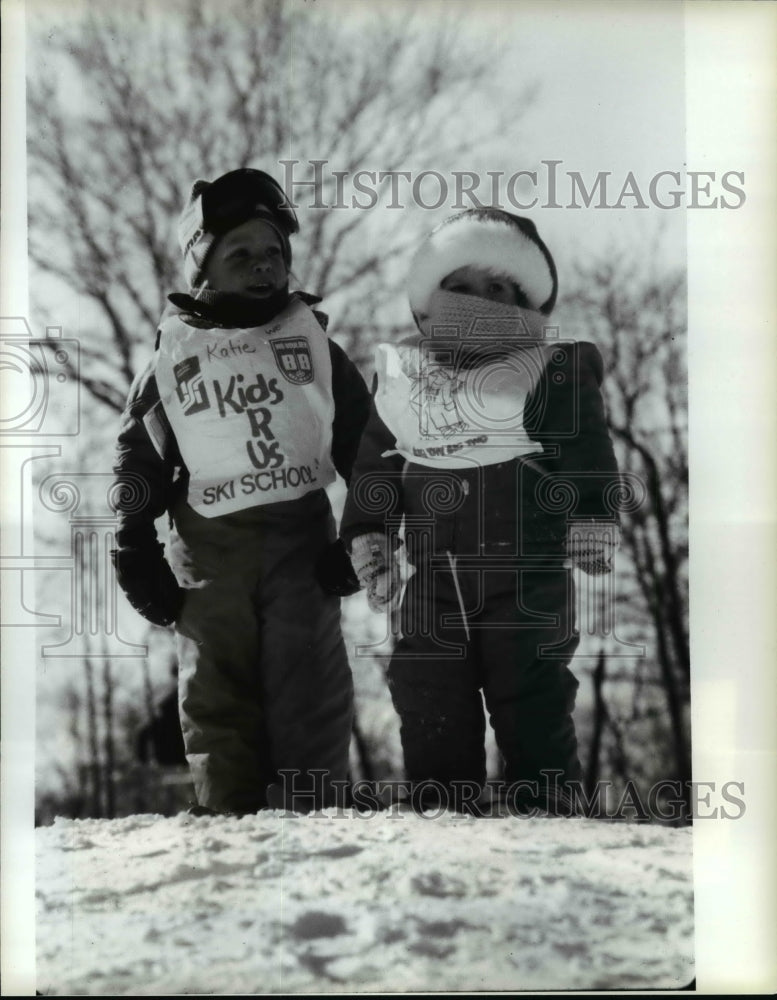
153	477
513	508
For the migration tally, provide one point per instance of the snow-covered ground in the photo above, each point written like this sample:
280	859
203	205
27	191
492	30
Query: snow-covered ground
336	902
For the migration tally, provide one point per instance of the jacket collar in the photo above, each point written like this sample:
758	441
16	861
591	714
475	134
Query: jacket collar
228	310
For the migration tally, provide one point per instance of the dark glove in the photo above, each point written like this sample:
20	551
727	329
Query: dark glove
334	571
149	584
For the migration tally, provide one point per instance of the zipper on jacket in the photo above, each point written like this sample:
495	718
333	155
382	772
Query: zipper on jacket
452	562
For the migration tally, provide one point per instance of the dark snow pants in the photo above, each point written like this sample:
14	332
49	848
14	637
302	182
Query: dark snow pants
264	682
521	639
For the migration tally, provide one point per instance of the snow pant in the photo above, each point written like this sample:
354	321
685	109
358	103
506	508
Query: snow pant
521	639
265	689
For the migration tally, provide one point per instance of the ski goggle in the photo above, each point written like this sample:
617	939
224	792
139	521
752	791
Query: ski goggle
237	196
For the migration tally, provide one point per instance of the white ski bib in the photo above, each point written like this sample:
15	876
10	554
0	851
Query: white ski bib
251	409
455	418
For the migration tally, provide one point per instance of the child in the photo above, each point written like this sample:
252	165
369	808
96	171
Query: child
235	428
488	437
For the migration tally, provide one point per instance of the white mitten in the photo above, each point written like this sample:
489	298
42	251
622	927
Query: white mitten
375	565
591	545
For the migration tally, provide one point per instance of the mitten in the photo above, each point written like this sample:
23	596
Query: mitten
149	584
335	572
373	560
591	545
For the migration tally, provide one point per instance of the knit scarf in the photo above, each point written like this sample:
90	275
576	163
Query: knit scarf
476	328
230	309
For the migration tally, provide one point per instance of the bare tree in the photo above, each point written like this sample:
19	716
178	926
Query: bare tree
129	106
635	310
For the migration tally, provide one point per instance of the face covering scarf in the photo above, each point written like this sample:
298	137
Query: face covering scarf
454	397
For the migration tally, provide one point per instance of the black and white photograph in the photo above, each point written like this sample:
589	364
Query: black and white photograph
388	532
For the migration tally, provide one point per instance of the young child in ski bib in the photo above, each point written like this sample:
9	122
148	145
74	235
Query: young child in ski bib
488	447
235	428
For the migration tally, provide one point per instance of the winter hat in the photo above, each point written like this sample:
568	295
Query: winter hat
504	244
214	208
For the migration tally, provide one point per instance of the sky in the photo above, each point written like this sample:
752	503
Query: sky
640	87
610	97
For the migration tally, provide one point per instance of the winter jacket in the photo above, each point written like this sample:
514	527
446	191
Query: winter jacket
153	478
519	507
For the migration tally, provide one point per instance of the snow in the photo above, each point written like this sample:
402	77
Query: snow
335	902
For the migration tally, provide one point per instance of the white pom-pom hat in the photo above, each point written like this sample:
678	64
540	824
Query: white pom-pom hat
504	244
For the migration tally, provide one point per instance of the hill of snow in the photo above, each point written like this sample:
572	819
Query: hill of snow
337	902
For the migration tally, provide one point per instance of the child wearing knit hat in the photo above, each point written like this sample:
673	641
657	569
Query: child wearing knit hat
235	428
488	446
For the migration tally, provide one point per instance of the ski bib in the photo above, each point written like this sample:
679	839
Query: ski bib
251	409
452	417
